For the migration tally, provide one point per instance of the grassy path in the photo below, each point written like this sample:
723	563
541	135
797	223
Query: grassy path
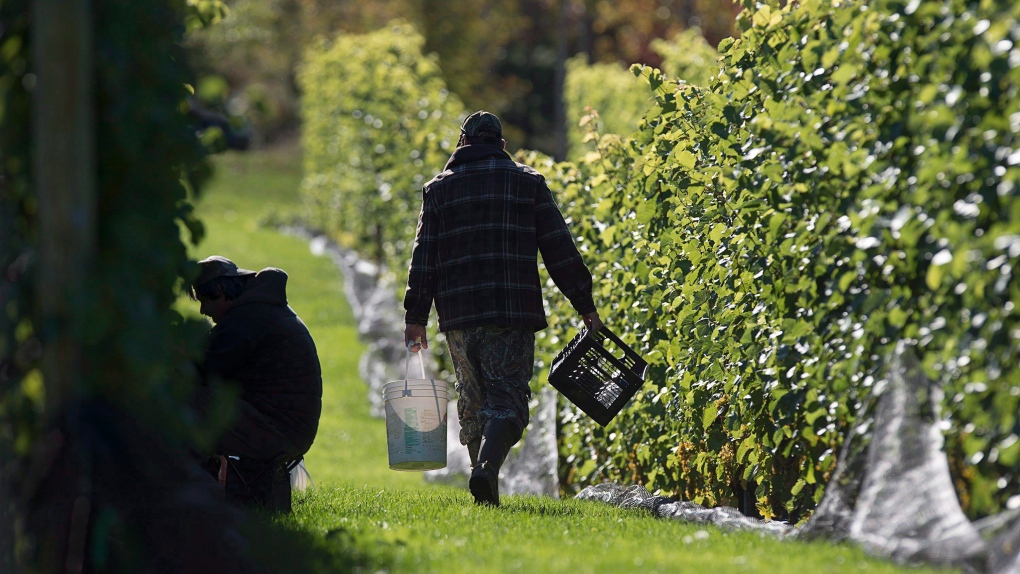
363	516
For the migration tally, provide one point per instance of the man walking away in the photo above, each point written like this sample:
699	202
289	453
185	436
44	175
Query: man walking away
483	221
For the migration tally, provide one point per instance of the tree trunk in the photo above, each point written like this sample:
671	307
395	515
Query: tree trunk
63	133
64	175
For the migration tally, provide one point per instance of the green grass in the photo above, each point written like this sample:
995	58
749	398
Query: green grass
437	530
363	516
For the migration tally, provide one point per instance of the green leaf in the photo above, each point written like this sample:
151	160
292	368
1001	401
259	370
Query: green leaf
897	316
846	279
844	74
814	415
775	224
763	16
685	159
645	211
796	328
717	232
708	416
746	445
934	276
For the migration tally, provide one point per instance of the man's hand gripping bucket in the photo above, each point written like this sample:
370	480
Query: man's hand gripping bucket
416	420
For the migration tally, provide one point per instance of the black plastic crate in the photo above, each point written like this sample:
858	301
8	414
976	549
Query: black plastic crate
593	378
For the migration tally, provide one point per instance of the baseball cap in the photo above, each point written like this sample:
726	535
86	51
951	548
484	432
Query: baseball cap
482	124
217	266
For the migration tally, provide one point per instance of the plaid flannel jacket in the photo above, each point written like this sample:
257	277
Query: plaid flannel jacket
482	223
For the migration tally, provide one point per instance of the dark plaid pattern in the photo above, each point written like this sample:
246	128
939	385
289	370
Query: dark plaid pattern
482	224
494	366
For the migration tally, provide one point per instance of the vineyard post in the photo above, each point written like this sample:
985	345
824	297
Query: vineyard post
63	177
64	174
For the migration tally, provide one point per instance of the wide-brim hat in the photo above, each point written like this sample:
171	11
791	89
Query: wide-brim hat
217	266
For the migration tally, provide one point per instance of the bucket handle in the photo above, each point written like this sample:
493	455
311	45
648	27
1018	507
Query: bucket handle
407	365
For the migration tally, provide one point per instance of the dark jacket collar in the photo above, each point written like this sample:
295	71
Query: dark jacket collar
475	152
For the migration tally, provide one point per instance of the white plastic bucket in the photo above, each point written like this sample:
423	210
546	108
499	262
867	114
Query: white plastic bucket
416	421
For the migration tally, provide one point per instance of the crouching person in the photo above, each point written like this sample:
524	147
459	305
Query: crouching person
259	343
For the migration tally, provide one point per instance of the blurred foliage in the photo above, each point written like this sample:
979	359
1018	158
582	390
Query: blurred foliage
500	55
148	172
378	121
605	98
626	31
149	165
846	181
687	57
601	98
212	90
21	387
200	14
254	49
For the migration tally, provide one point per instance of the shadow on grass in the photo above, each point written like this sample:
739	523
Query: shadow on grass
149	507
279	547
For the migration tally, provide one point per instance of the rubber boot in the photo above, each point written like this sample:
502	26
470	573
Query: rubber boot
473	447
497	439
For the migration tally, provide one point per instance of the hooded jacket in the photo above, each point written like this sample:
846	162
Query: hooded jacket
263	345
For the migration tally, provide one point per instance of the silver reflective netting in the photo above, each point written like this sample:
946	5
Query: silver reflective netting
891	492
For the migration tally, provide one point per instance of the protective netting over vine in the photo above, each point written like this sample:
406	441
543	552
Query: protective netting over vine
664	507
891	493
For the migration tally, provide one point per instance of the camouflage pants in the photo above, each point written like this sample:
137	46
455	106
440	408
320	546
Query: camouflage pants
494	366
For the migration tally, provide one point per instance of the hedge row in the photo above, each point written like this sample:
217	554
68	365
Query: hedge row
847	180
843	181
607	98
600	98
378	124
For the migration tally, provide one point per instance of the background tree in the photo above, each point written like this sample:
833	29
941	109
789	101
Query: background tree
507	56
624	31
